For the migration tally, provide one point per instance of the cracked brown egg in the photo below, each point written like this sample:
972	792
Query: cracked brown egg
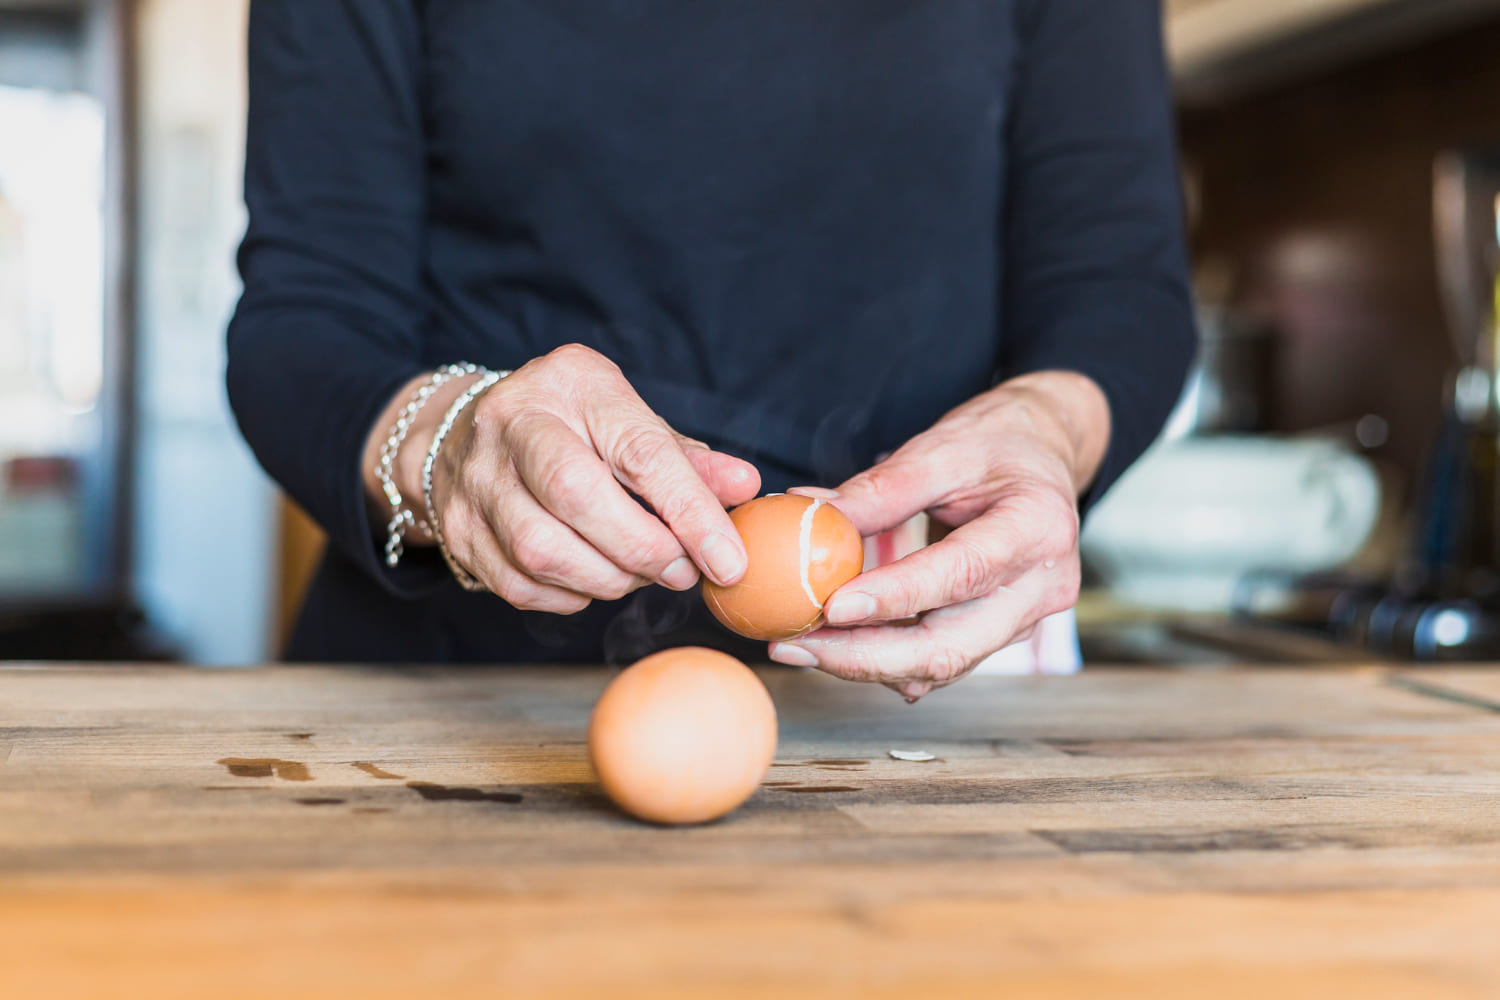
801	550
683	736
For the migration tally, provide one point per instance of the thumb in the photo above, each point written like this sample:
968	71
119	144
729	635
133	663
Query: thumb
886	495
732	480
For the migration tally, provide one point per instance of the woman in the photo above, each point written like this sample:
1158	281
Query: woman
725	248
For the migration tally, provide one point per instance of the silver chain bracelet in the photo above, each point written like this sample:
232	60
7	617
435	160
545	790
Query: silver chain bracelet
464	577
402	519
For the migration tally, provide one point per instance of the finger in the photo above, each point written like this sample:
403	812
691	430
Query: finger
732	480
477	550
882	654
944	646
912	691
975	559
646	457
569	479
550	552
890	492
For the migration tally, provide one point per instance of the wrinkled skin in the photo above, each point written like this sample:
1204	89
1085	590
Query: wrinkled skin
1004	471
532	488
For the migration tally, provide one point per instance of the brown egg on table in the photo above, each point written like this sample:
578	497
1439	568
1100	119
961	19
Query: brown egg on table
801	550
683	736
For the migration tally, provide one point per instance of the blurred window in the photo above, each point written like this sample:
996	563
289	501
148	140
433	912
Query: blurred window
52	191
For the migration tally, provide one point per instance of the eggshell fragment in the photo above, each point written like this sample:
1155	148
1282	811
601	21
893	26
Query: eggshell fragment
801	550
683	736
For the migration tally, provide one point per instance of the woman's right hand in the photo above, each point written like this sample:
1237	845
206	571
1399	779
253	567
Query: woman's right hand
531	487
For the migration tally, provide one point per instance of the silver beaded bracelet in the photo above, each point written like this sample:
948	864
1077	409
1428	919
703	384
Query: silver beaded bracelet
464	577
402	519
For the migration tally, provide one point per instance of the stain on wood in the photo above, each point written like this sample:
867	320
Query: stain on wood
300	736
376	771
264	767
442	793
320	802
821	788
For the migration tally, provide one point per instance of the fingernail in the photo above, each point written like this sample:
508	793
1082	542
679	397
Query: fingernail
912	699
740	474
792	656
726	560
816	492
681	575
847	608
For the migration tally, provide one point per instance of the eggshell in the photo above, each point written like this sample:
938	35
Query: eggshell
801	550
683	736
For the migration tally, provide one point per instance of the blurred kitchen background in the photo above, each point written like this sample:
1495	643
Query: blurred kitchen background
1327	489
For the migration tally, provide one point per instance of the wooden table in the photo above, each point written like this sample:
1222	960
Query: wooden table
301	832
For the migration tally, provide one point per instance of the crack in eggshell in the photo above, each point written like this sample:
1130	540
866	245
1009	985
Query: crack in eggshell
729	616
805	552
737	622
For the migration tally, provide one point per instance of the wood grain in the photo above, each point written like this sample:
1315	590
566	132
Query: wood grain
1479	688
1122	833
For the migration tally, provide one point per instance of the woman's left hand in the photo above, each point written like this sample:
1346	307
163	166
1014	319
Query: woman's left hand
1004	470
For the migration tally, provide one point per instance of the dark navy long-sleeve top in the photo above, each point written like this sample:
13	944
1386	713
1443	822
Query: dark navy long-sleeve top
803	228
